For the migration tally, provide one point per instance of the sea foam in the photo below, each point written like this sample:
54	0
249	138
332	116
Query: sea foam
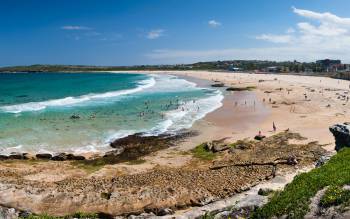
69	101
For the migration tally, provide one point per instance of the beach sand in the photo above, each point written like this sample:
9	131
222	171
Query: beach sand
288	109
301	104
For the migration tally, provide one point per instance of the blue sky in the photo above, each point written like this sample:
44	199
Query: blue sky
129	32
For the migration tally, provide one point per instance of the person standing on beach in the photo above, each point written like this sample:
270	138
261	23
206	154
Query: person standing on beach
274	126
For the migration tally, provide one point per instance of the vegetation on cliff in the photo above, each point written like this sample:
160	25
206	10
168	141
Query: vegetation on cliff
294	200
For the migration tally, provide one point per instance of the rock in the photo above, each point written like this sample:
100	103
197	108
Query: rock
322	160
43	156
75	157
292	160
218	85
259	137
8	213
59	157
3	157
79	157
164	211
208	146
24	214
220	147
16	156
264	191
28	156
341	133
115	152
74	116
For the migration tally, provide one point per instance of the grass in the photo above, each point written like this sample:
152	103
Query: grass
335	195
294	200
89	168
201	153
136	162
76	215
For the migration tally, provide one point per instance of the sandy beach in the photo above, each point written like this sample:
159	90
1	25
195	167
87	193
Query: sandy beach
296	104
279	99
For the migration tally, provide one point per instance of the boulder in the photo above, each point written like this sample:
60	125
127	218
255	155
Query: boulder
218	85
341	133
3	157
322	160
59	157
292	160
220	147
259	137
74	116
16	156
75	157
164	211
43	156
208	146
79	157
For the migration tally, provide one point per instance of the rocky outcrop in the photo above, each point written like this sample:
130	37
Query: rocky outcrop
44	156
218	85
341	133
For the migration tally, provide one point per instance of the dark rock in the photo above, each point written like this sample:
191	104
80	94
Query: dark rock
208	146
43	156
75	157
164	211
264	191
16	156
24	214
78	157
75	116
3	157
322	160
259	137
8	213
341	133
292	160
59	157
218	85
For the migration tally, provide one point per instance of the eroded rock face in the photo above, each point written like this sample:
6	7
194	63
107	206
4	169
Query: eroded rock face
341	133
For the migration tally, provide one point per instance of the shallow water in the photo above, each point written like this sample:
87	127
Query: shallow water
36	109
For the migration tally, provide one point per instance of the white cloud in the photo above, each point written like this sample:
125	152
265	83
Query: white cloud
275	38
321	35
322	17
214	23
154	34
70	27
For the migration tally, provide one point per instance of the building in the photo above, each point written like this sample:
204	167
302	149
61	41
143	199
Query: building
330	65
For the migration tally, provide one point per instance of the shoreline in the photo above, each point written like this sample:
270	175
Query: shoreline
98	152
288	108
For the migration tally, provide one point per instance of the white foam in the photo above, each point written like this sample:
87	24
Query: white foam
189	112
178	119
68	101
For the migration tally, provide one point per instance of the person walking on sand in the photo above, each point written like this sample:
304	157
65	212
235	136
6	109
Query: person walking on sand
274	126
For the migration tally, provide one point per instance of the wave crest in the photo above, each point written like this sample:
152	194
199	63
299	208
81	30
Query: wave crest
68	101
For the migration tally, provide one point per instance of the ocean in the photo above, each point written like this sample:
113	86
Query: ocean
84	112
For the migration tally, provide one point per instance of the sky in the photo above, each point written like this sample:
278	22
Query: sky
136	32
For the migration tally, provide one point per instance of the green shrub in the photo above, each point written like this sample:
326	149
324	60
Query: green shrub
201	153
335	195
294	200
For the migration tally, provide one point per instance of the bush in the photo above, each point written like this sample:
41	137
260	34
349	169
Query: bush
294	200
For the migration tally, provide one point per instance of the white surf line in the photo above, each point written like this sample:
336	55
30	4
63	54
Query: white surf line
67	101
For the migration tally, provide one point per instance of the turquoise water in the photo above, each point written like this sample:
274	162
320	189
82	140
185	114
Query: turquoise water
36	109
